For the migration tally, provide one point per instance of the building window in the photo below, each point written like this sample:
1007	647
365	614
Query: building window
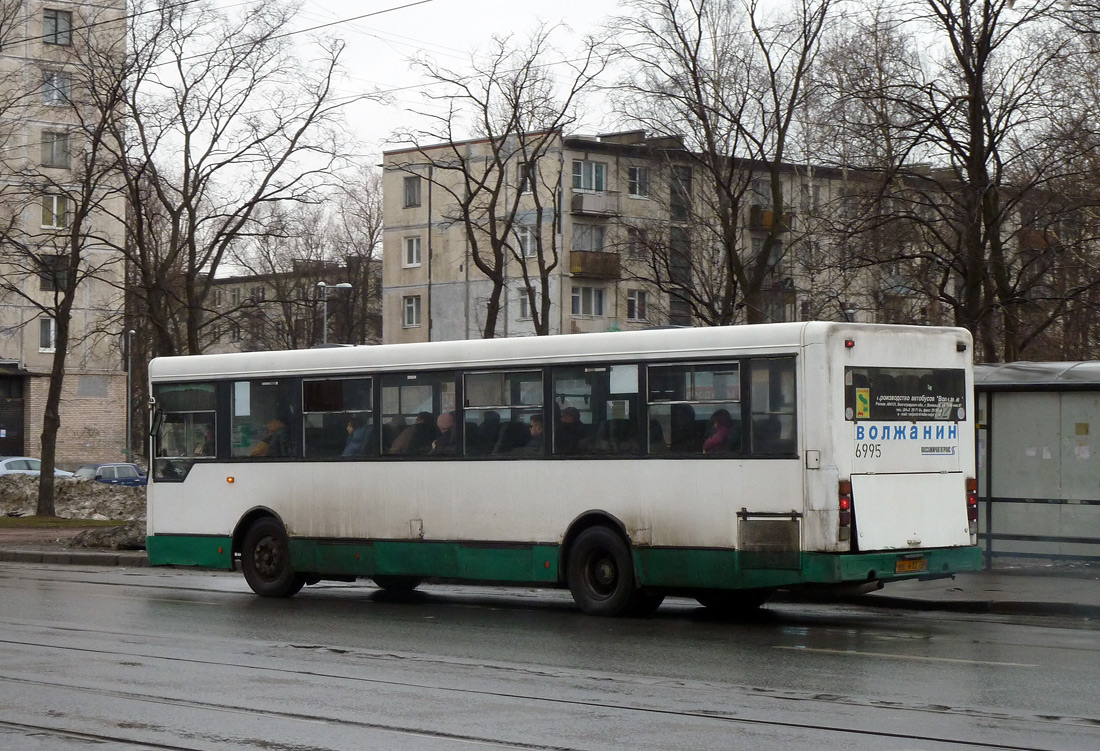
680	194
587	301
589	175
53	273
56	87
219	298
525	303
525	177
679	312
525	242
55	149
588	237
235	296
258	294
636	304
638	181
47	334
412	251
55	212
412	311
57	27
235	332
412	191
637	240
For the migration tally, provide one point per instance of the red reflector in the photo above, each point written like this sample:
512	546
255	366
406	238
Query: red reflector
845	503
849	343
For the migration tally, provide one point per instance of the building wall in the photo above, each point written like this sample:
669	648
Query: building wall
92	425
809	278
91	428
454	293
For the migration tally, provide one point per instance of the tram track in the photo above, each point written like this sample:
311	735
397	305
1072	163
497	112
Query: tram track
837	733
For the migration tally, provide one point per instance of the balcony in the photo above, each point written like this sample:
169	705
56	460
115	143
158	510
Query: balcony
595	204
763	219
594	264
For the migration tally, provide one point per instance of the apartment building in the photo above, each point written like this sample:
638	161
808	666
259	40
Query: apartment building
315	302
620	214
41	153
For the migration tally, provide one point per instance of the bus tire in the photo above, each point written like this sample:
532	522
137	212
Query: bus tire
600	573
734	602
398	585
265	560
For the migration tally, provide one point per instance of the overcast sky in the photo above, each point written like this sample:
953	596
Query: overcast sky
379	47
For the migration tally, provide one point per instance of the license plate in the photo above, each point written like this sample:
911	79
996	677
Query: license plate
910	565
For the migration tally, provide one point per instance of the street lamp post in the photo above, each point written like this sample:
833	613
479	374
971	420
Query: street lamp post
324	288
129	394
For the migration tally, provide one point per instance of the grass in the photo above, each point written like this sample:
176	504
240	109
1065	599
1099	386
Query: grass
53	522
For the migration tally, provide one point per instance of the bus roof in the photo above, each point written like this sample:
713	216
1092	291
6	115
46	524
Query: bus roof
520	351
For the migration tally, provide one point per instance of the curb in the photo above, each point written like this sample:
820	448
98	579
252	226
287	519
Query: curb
133	558
988	607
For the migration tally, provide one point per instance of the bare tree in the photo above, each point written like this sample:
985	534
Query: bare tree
730	80
221	119
63	198
354	235
514	107
970	194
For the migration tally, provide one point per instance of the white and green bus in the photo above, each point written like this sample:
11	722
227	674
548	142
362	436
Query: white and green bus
717	463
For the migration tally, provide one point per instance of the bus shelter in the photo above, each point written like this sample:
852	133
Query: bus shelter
1038	451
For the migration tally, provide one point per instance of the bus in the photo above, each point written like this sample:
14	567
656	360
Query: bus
718	463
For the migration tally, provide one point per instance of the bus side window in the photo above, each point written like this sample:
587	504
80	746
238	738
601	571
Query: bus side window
695	409
412	404
498	410
263	420
596	411
772	400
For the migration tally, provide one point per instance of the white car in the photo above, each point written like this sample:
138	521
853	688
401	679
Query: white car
25	465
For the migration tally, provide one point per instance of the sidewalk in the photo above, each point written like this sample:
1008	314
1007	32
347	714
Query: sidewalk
1023	590
1027	588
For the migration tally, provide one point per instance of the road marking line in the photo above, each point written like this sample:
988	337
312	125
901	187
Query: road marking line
909	657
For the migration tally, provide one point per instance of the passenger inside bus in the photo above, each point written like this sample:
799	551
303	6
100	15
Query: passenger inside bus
417	438
206	445
721	427
357	437
570	431
536	439
444	444
685	432
274	442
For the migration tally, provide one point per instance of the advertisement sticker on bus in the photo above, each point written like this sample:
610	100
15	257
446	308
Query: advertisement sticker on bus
906	415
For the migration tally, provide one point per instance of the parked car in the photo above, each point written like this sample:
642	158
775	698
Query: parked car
114	473
25	465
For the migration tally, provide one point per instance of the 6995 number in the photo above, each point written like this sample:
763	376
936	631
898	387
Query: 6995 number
868	450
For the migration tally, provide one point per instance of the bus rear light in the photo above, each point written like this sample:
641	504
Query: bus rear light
972	509
844	503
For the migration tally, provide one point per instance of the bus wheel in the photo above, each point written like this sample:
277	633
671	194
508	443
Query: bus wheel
733	602
600	573
398	585
265	561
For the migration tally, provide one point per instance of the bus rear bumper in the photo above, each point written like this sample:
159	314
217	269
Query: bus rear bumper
886	566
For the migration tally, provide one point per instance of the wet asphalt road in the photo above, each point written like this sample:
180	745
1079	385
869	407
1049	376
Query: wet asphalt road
164	659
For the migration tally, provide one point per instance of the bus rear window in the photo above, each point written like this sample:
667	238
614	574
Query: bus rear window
904	394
